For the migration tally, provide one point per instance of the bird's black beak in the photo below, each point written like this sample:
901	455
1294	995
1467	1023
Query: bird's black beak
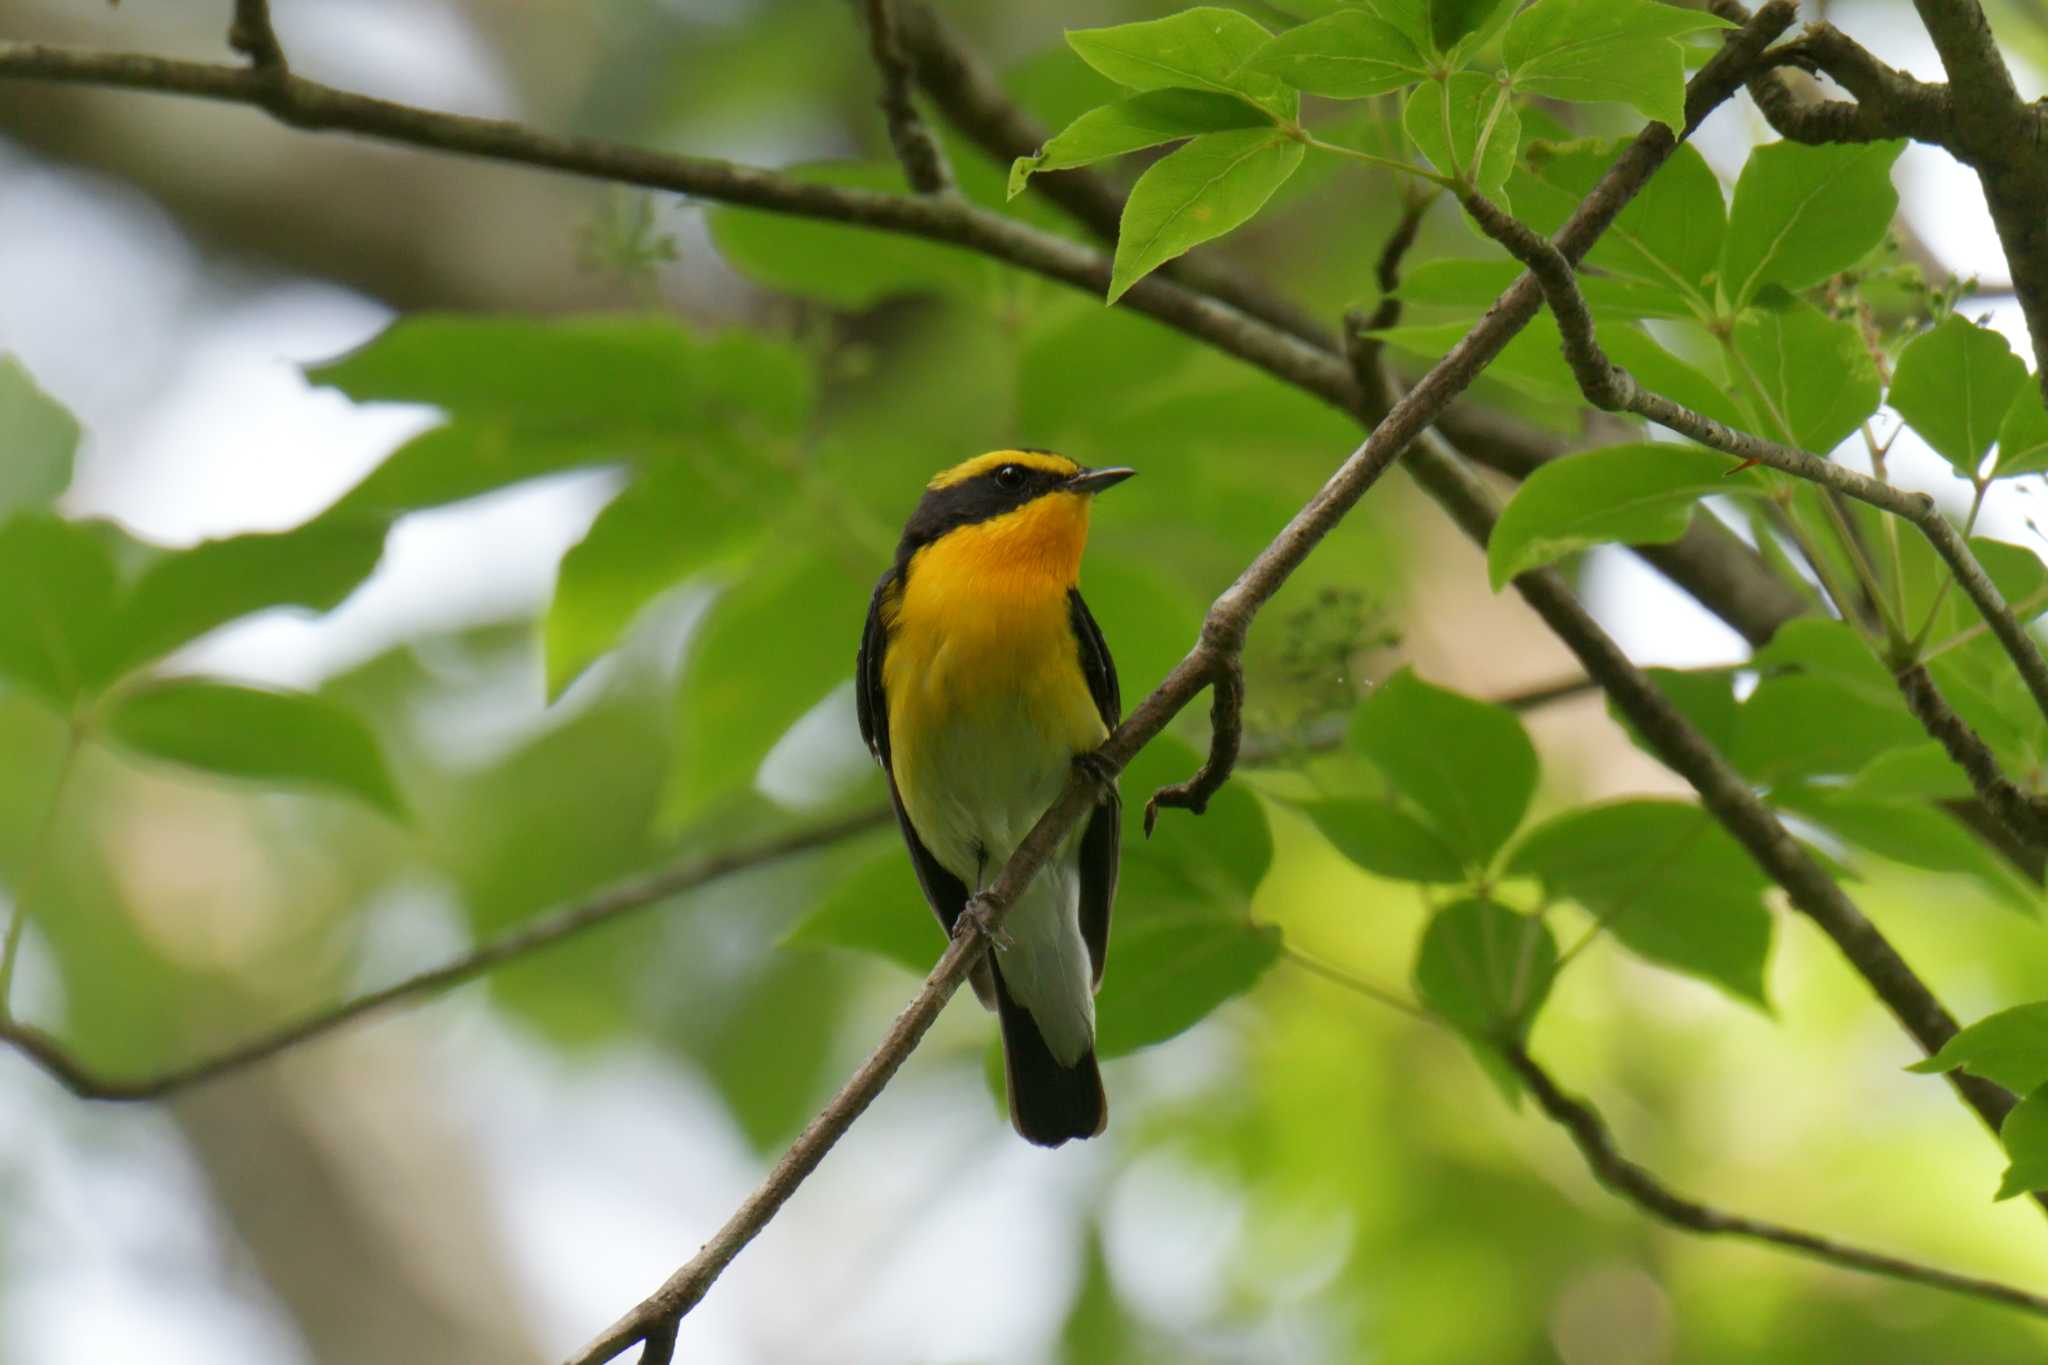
1095	480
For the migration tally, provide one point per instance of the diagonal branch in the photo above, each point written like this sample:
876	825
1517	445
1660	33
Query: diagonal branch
543	932
924	165
2022	814
1589	1133
1610	387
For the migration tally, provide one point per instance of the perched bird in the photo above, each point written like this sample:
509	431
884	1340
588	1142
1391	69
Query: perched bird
982	678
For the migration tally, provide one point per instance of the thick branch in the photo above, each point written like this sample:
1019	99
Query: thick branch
252	36
1889	103
1625	1178
543	932
2019	812
924	165
1608	386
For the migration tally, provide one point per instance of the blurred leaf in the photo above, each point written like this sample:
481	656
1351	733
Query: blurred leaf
1804	213
1955	385
1593	51
1485	969
1804	725
1705	697
1098	1329
1461	282
1458	26
237	731
1468	764
1204	865
1386	841
1347	55
1814	383
42	438
2023	434
1666	880
1834	650
1531	364
1924	772
1447	119
2009	1048
677	518
876	907
2025	1135
183	594
1211	185
1166	975
1913	833
1641	494
773	1047
1203	49
57	607
1074	361
1130	125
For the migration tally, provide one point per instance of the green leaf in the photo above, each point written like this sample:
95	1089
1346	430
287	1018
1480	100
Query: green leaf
1073	361
1467	764
1808	376
1666	880
1166	975
1595	51
1662	372
1206	865
770	648
248	732
1803	725
1464	283
1349	55
2023	435
1446	120
2025	1135
1955	385
2009	1048
1671	232
1203	49
1922	773
1913	833
1458	26
42	438
676	519
1386	841
1641	494
876	907
183	594
57	607
1205	189
1804	213
1133	124
1485	969
1531	364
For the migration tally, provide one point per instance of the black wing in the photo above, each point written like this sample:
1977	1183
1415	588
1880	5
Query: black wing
946	892
1102	839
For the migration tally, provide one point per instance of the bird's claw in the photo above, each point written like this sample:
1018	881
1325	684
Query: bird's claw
978	916
1097	768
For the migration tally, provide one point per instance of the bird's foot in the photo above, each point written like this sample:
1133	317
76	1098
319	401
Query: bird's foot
978	916
1098	769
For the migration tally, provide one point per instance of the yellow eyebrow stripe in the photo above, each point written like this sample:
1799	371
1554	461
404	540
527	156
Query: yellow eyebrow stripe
982	464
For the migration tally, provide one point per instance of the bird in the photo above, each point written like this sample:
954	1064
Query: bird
981	680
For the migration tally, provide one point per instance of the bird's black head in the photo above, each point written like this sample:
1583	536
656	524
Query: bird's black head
991	485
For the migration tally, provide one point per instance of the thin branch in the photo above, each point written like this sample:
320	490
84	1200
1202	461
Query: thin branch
1609	386
2022	814
1358	985
1889	103
1226	727
543	932
1638	1186
252	35
923	163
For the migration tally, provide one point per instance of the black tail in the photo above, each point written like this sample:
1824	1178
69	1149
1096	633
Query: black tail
1049	1103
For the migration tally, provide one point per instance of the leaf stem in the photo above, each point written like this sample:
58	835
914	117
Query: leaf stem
1383	162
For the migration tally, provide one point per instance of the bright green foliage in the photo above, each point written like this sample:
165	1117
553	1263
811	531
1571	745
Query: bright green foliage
2025	1134
875	907
1531	364
1467	765
1671	233
1634	494
1803	213
42	437
1387	841
1133	124
1485	969
1205	189
54	613
1351	54
1461	26
1913	833
1955	385
2009	1048
1449	119
1605	50
1807	377
1679	380
1664	878
1203	49
2023	434
246	732
1463	282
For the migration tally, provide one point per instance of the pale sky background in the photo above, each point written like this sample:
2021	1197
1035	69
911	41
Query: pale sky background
184	373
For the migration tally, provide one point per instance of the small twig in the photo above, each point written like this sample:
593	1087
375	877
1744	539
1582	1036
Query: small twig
2019	812
923	163
251	35
1226	727
1889	103
1638	1186
1606	385
546	931
1315	966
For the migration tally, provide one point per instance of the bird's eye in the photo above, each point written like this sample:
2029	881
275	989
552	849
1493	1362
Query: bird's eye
1010	476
